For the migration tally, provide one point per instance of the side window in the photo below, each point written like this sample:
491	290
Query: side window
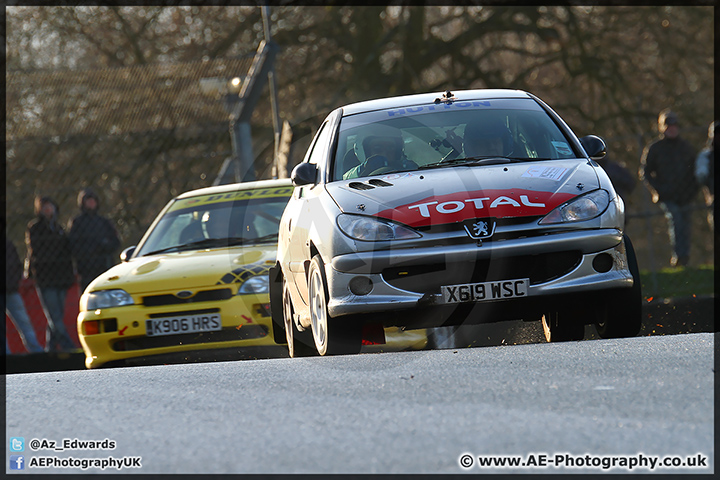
316	155
319	149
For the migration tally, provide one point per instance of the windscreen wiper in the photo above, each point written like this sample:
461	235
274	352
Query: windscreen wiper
215	242
469	161
250	241
173	248
204	243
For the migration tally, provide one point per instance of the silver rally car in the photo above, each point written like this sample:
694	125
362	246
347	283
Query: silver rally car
447	208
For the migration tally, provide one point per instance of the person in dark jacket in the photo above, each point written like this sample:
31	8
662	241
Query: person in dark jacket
50	265
668	169
93	239
14	305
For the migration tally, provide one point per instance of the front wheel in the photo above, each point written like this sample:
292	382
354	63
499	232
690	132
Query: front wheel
299	343
562	326
333	336
621	315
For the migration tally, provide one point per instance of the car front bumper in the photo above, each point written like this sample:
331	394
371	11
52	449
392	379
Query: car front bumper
581	275
122	333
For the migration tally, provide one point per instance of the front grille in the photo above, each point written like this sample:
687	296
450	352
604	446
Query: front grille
428	278
202	296
246	332
500	223
184	313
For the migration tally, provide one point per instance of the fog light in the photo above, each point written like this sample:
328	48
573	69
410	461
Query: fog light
602	263
361	285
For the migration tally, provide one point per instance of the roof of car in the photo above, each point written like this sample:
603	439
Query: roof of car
233	187
429	98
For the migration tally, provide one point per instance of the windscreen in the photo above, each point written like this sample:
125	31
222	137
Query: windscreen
245	217
446	135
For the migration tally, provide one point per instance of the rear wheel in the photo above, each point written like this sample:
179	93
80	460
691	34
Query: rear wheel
299	343
562	326
333	336
621	314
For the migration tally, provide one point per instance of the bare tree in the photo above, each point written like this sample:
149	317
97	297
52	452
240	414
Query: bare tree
606	69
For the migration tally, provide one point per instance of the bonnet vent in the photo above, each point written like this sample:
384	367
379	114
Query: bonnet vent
379	183
360	186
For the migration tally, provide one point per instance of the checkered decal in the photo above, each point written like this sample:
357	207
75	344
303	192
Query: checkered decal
240	275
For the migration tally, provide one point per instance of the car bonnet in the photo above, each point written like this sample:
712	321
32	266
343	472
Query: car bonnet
188	270
454	194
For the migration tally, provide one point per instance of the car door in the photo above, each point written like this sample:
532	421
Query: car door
299	217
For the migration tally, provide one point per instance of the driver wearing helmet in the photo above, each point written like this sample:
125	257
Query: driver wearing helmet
216	223
382	148
487	139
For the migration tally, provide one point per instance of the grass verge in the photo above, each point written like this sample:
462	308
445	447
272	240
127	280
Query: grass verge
679	282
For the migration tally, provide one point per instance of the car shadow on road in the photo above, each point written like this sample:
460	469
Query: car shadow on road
660	317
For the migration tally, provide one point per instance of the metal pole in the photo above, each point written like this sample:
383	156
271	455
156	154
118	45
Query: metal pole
245	171
273	95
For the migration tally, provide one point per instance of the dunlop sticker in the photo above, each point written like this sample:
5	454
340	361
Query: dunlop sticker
231	197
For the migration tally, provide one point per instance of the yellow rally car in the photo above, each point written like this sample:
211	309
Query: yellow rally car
197	280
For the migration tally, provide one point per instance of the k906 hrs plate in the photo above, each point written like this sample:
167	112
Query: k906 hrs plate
485	291
155	327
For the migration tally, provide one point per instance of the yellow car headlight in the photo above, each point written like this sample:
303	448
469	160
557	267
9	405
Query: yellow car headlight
254	285
105	299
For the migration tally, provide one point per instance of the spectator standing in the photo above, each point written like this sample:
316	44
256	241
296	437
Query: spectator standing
93	239
14	306
50	265
667	168
705	173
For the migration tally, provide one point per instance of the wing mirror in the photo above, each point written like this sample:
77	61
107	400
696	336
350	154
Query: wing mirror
304	174
594	146
127	253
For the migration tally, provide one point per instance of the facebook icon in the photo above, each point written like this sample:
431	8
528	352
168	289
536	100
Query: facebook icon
17	462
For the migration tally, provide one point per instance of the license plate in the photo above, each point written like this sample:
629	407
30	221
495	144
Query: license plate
485	291
155	327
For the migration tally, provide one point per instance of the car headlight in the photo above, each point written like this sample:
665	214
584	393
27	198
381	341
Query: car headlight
371	229
256	284
105	299
583	207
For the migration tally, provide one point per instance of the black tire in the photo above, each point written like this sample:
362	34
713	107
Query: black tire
621	314
276	312
332	336
300	344
562	326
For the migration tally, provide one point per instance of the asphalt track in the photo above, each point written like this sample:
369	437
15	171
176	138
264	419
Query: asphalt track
581	403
